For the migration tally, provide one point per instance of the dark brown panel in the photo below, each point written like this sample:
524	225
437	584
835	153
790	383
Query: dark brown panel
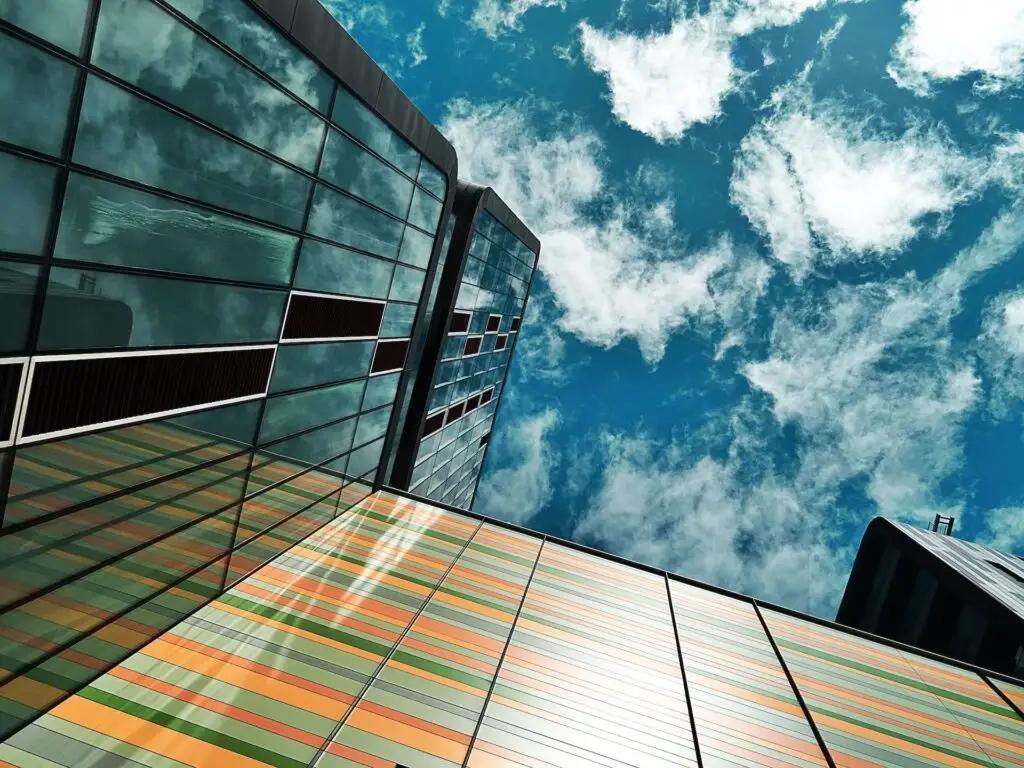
395	107
69	394
472	403
485	439
10	379
325	317
460	322
390	356
515	324
455	412
485	398
493	323
433	423
500	343
472	345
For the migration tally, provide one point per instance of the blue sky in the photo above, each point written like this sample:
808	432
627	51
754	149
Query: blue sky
782	277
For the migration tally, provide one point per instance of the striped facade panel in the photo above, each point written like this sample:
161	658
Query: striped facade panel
744	708
262	675
591	676
423	706
1014	693
870	703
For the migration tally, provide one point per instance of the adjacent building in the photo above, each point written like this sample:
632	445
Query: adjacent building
488	270
939	593
408	634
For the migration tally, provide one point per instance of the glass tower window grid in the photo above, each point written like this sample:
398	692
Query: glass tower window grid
113	220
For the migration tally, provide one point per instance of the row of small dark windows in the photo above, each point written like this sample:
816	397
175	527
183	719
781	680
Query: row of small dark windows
460	323
454	412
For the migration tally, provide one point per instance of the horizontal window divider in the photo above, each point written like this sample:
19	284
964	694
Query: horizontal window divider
332	422
184	277
51	48
85	572
312	387
318	467
31	154
326	340
348	297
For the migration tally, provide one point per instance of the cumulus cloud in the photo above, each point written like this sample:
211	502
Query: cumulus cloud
1004	530
824	186
1001	349
495	17
947	39
614	275
521	488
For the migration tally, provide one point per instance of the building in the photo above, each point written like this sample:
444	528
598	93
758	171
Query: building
936	592
488	270
403	633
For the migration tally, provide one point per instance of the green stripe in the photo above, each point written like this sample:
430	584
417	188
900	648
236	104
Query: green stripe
442	670
501	553
208	735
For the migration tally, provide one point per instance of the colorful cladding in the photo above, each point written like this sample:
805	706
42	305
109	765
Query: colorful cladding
1015	693
744	708
399	634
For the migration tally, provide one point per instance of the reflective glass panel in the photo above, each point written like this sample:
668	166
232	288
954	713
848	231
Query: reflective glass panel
372	425
128	136
18	284
352	168
364	459
35	91
408	284
110	224
26	189
330	269
398	321
425	212
416	248
380	390
244	31
60	22
349	222
302	410
352	115
86	309
433	179
305	365
140	43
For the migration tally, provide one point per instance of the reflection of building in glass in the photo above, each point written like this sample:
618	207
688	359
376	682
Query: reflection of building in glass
936	592
489	266
404	634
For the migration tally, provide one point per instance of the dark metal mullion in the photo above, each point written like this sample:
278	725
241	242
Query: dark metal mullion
504	650
793	685
682	670
391	652
280	331
1003	696
180	277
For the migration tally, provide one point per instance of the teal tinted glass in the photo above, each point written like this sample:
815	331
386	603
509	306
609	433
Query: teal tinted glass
352	115
244	31
17	293
306	365
349	222
365	459
89	309
398	321
313	447
110	224
372	425
380	390
128	136
35	94
330	269
287	414
60	22
433	179
140	43
425	212
408	284
355	170
26	188
416	248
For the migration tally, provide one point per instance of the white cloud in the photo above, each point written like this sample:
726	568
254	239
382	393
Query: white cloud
1004	530
622	276
415	42
1001	349
442	7
826	187
948	39
540	351
495	17
520	490
355	13
663	83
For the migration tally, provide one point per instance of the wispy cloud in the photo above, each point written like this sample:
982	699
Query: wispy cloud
497	17
1004	530
1001	350
415	42
944	40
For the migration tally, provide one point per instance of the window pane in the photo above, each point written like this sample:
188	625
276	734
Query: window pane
306	365
17	292
293	413
87	309
35	89
425	212
433	179
352	168
127	136
352	115
60	22
338	270
244	31
305	450
110	224
142	44
416	248
380	390
349	222
407	285
364	459
398	321
372	425
26	188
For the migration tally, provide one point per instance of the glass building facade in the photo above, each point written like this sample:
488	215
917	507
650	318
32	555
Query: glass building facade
405	634
217	230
